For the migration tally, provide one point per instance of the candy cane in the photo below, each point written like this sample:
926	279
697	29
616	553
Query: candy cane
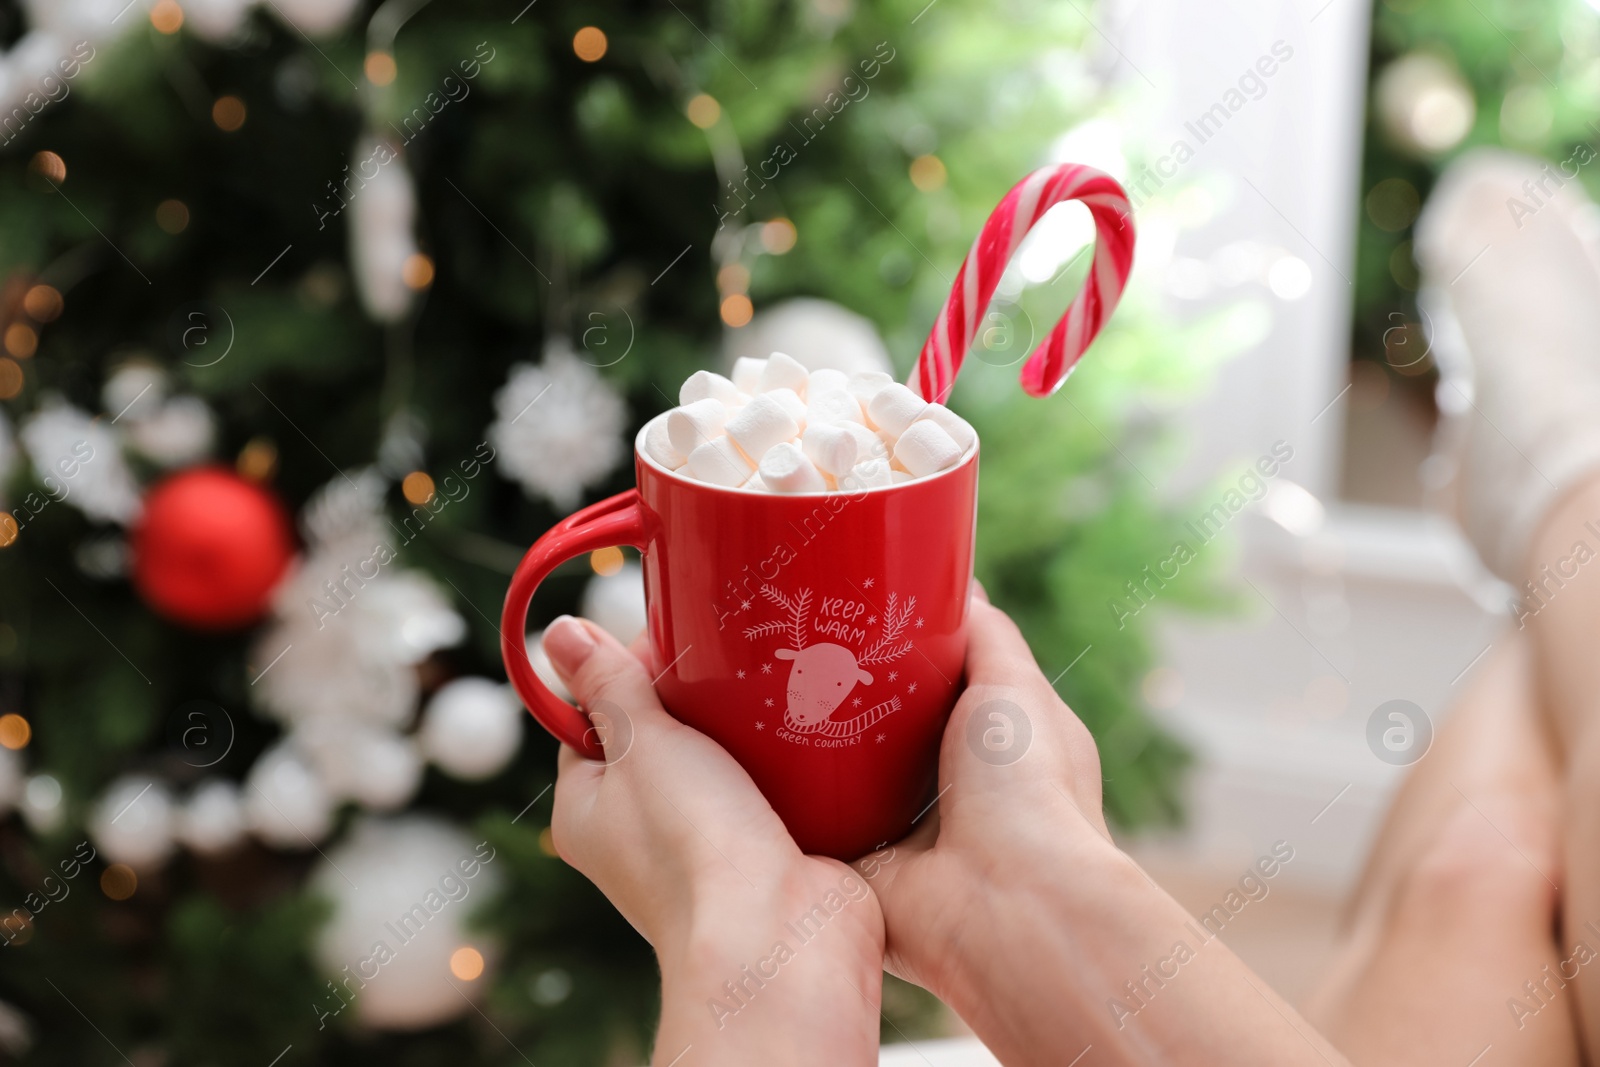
1010	222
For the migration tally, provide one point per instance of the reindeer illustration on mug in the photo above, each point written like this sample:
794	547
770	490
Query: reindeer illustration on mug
823	675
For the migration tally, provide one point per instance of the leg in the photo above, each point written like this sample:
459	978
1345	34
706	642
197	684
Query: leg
1562	613
1455	910
1527	413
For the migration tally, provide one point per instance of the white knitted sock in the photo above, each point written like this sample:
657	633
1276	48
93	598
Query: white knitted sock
1504	248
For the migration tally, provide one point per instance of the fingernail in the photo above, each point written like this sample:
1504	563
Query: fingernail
568	643
979	592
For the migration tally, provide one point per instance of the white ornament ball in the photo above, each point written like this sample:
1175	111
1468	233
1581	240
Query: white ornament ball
818	333
372	765
315	17
41	803
133	823
179	434
286	803
472	728
403	890
615	602
213	819
389	771
134	391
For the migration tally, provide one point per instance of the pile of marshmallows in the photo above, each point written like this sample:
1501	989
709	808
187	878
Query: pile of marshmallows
777	428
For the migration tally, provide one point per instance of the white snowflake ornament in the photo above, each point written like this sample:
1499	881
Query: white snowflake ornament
382	216
558	426
79	460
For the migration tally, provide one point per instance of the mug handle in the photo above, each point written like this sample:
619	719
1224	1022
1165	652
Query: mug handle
617	520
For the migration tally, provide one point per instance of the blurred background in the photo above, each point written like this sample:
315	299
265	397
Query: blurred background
316	313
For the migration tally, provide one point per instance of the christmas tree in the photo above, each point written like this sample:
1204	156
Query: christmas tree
313	276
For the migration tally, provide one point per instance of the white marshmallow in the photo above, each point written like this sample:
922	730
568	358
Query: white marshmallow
747	374
827	378
831	405
831	448
864	385
926	449
755	484
791	403
869	444
893	408
785	469
867	475
960	431
719	463
760	424
897	477
693	425
703	383
658	446
784	372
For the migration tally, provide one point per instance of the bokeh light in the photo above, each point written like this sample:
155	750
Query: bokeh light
172	216
10	378
737	310
21	340
589	43
258	460
704	111
417	487
778	236
380	68
1393	204
49	164
1424	104
928	173
734	278
228	113
167	17
466	963
15	731
118	881
417	271
43	303
606	561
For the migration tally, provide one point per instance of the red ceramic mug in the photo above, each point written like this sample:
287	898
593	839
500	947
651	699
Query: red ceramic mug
818	637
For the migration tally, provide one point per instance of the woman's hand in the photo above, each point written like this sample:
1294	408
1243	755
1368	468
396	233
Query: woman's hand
1019	812
767	955
1013	905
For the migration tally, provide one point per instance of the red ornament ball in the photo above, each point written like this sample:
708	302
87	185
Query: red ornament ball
210	548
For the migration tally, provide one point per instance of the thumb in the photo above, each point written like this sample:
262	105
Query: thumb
883	866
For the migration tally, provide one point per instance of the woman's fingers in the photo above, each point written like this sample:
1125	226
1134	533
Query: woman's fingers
608	682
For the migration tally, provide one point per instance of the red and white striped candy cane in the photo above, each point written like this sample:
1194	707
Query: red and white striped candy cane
1010	222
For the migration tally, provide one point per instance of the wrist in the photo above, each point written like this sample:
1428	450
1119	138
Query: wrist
754	974
1074	919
